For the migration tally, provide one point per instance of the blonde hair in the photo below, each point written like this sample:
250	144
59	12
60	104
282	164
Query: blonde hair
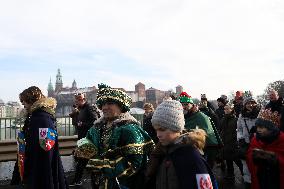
197	138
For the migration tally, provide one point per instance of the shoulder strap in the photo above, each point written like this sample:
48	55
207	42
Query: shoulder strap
246	125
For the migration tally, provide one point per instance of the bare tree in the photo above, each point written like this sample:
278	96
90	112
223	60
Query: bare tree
277	86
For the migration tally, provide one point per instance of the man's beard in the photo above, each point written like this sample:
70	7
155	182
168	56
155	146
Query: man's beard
185	112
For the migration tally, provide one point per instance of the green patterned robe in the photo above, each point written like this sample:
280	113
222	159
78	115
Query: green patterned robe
121	151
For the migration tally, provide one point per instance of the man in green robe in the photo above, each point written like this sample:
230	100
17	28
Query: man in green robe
116	146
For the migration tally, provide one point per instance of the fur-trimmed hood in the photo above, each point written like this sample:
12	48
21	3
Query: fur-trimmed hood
46	104
122	119
195	138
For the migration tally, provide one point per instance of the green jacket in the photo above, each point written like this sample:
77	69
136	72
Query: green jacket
121	151
200	120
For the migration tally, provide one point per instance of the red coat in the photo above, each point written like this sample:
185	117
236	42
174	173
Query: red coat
277	147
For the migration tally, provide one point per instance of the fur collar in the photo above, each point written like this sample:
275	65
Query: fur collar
194	139
123	118
46	104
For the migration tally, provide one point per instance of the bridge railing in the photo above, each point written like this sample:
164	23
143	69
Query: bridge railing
67	139
9	127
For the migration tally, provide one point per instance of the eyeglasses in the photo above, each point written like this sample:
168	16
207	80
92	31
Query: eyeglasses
79	94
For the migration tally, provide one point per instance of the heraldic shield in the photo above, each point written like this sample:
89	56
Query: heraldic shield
47	138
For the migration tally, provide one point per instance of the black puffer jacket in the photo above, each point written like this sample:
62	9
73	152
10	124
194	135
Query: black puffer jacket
147	126
275	105
229	136
86	117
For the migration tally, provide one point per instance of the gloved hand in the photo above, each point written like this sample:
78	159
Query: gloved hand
264	158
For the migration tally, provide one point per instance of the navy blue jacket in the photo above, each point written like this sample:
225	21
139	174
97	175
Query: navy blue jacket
42	167
188	164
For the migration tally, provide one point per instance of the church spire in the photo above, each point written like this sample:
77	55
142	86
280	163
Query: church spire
74	85
59	83
50	86
50	90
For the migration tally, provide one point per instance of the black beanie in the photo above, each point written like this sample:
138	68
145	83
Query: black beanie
222	100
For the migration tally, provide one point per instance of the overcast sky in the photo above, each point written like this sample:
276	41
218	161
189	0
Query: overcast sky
206	46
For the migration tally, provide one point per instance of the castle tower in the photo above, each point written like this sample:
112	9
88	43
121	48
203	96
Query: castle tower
50	89
179	89
74	85
59	83
140	89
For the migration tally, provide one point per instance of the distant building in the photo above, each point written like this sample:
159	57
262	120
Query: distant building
65	95
179	89
133	95
141	92
12	109
2	109
9	109
153	96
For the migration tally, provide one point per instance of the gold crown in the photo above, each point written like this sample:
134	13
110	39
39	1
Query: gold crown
268	115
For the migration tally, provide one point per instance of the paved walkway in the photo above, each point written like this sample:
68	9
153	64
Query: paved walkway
223	183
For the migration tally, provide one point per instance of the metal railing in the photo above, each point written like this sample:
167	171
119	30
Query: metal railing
9	127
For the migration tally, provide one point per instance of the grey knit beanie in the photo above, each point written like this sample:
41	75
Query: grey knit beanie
169	114
248	99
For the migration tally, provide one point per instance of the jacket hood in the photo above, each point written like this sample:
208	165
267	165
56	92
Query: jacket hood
195	138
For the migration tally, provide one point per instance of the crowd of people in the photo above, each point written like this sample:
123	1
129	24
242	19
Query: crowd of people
176	147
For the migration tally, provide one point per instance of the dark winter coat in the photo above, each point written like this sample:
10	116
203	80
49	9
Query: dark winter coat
147	126
86	117
42	167
220	112
74	116
211	106
179	166
237	107
229	136
275	105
